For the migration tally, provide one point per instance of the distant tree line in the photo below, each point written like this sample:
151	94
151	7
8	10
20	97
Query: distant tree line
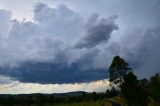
23	99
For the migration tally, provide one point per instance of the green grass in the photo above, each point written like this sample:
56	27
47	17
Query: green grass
103	102
117	99
91	103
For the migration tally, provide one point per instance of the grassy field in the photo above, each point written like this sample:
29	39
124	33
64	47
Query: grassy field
96	103
91	103
103	102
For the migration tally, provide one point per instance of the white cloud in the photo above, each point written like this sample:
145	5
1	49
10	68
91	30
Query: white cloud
52	32
25	88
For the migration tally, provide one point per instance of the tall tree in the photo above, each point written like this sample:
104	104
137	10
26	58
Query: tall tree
133	90
117	70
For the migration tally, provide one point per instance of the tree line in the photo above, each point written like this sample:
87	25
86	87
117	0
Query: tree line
42	99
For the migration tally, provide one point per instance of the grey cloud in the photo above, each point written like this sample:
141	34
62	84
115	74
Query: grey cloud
61	21
5	17
5	80
40	40
42	51
98	31
50	36
144	54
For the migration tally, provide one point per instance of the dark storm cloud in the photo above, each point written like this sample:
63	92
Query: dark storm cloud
42	51
98	31
53	73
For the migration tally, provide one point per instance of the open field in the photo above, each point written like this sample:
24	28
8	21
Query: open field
97	103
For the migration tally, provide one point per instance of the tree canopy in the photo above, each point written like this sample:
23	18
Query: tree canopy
117	70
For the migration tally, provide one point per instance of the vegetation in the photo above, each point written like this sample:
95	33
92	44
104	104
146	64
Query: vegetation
118	69
136	92
126	90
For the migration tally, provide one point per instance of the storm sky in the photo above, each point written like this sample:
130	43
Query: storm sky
46	45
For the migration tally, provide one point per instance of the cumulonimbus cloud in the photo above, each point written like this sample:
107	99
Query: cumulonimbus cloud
61	46
43	51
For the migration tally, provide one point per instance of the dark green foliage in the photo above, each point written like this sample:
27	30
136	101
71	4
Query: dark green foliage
117	70
134	90
154	87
